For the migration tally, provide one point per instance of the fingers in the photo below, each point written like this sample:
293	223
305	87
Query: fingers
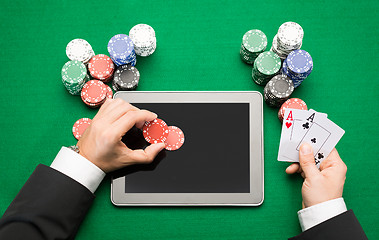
307	161
113	109
103	108
147	155
140	124
131	118
334	159
293	168
330	161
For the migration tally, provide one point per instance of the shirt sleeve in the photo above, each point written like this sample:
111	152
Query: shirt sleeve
316	214
78	168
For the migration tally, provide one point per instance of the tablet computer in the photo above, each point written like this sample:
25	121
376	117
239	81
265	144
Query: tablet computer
220	162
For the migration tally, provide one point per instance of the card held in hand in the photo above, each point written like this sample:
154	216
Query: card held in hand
303	124
322	134
291	121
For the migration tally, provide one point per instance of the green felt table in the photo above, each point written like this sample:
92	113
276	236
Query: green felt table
198	49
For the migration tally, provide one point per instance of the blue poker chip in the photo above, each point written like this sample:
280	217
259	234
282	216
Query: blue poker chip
296	83
121	50
296	79
300	62
284	67
120	45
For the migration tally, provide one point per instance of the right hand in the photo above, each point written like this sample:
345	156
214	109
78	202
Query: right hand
319	185
101	142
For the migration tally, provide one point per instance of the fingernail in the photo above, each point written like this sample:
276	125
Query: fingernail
305	149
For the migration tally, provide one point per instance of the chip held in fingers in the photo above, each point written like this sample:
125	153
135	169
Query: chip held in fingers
155	131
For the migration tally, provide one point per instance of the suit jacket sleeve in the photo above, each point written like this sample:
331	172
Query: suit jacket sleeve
344	226
49	206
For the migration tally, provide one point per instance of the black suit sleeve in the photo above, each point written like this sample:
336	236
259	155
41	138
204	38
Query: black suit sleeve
50	205
344	226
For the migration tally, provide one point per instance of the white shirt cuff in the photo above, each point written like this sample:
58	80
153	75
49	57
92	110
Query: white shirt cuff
78	168
316	214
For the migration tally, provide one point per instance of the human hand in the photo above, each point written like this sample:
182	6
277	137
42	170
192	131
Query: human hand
101	142
319	185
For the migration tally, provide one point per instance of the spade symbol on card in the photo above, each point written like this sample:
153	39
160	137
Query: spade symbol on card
313	140
320	155
306	125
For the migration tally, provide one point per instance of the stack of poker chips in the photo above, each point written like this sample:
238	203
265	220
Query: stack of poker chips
298	65
95	92
80	50
289	37
266	65
101	67
143	37
121	50
126	77
278	90
74	76
254	42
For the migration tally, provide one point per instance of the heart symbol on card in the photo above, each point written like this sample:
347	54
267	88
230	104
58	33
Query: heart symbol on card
288	124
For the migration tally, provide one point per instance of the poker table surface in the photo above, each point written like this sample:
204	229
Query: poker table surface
198	46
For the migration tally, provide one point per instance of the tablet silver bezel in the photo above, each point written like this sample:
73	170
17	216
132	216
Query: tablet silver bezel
256	195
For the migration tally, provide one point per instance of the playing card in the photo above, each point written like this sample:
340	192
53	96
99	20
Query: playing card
292	117
324	114
323	135
302	125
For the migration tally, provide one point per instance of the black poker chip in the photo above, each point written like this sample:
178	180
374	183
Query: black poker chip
126	77
278	90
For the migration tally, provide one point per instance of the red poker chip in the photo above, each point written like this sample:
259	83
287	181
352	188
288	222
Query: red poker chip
294	103
94	105
80	126
155	131
101	67
109	92
175	138
94	93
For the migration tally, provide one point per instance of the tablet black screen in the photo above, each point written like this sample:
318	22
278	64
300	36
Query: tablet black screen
213	159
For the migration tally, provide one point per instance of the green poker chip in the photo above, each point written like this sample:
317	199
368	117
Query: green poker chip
265	66
268	63
74	76
254	41
74	72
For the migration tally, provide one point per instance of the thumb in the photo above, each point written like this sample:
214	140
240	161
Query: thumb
307	161
148	154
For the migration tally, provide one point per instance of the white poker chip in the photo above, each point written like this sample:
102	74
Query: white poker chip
144	39
79	49
290	34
